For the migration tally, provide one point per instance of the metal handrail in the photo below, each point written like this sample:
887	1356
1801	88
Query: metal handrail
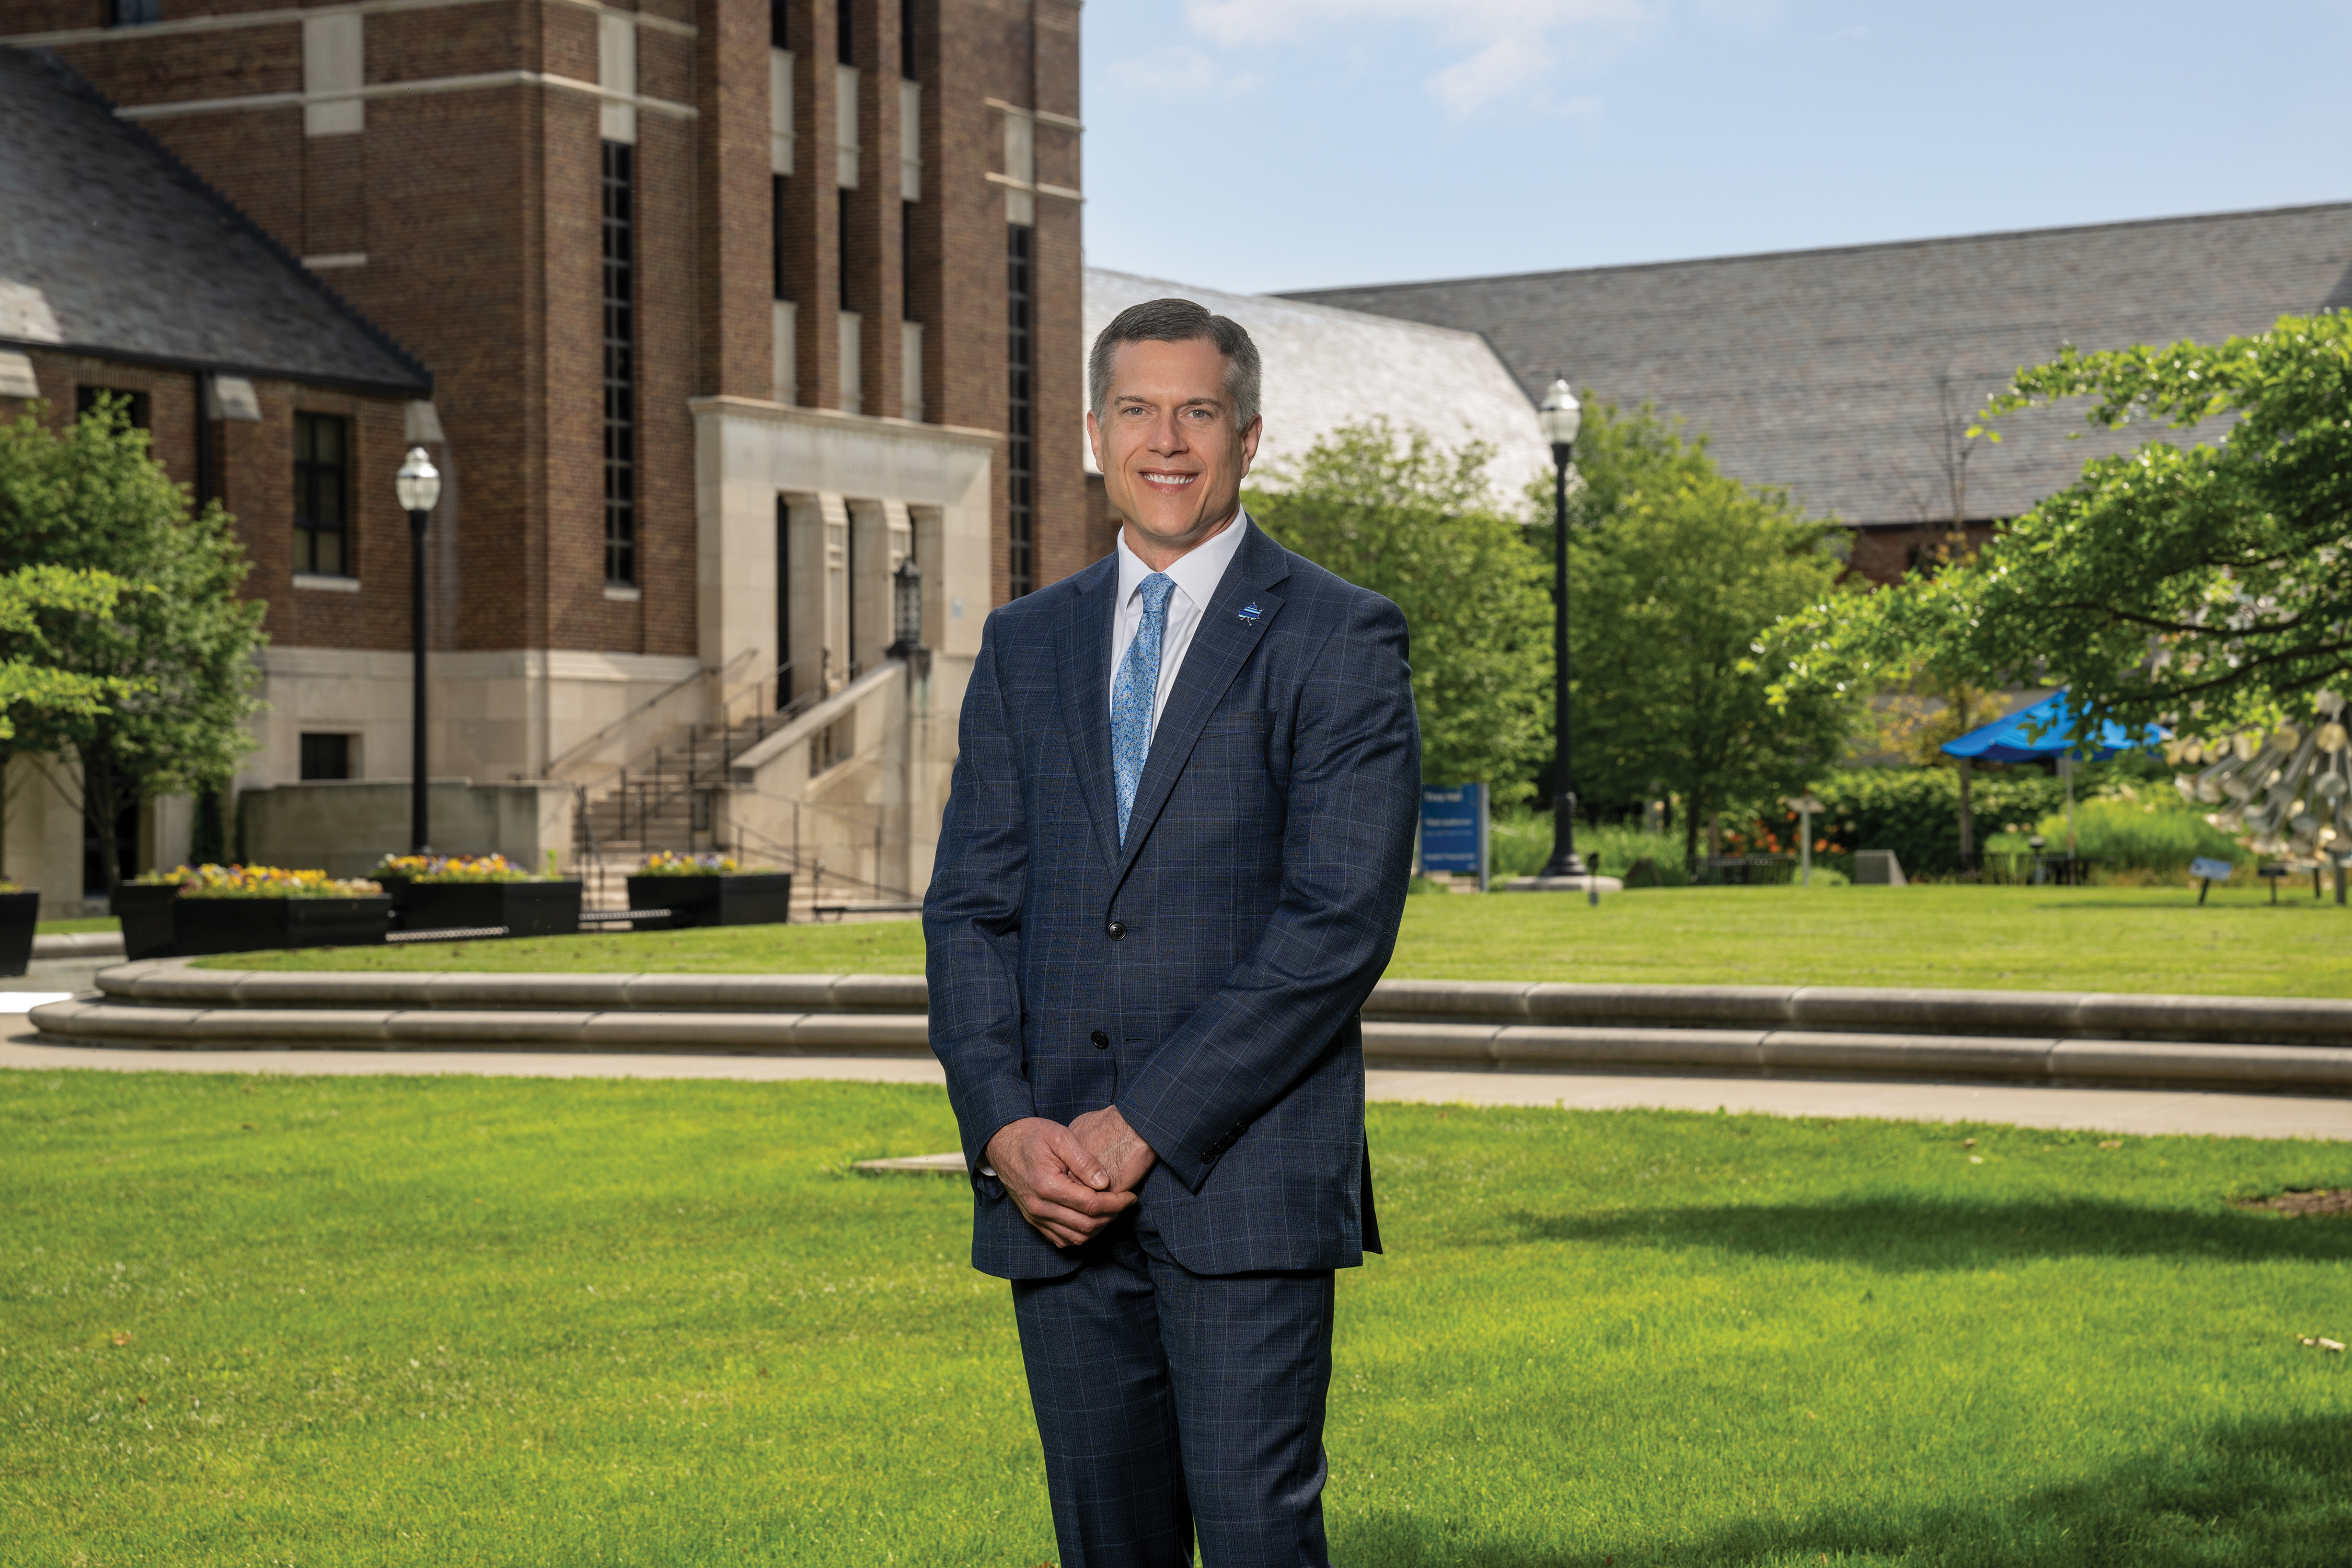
664	695
764	719
775	851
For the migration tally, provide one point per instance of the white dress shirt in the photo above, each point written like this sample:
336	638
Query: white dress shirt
1196	577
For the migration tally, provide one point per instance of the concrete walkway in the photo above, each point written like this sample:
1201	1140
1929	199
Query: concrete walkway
2141	1111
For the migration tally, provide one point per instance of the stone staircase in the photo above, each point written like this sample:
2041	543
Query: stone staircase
659	801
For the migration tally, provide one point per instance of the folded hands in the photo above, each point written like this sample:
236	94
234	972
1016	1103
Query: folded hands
1072	1180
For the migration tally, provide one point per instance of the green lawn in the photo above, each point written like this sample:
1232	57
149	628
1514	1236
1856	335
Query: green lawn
2099	939
95	922
454	1321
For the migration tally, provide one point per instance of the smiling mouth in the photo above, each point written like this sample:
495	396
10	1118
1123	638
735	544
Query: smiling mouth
1170	481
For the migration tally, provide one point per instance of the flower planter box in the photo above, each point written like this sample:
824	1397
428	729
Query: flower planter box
743	899
145	911
19	913
525	909
250	925
395	888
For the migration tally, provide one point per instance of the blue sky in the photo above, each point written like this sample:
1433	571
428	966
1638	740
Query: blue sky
1268	144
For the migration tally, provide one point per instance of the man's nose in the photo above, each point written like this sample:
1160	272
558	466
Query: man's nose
1167	437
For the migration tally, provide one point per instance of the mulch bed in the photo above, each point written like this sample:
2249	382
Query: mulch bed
2324	1200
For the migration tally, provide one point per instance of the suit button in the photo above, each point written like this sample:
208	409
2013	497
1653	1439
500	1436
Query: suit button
1116	930
1102	1041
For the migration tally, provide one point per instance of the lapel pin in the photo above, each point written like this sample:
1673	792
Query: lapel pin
1250	612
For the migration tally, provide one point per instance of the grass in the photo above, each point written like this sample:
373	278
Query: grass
874	947
95	922
454	1321
2093	938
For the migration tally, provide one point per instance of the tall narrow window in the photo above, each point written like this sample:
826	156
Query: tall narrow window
848	54
783	603
784	374
620	369
1021	575
321	495
133	13
842	255
776	233
850	323
780	31
907	261
906	39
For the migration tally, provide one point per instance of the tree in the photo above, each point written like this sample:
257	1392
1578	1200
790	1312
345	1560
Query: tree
1391	511
28	596
1672	578
2206	586
179	653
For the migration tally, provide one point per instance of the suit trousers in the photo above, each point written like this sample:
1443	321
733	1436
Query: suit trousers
1174	1404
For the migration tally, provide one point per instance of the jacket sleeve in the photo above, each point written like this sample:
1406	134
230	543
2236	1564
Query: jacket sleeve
1346	856
971	920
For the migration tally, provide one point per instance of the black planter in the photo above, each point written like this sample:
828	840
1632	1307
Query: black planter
19	913
395	888
250	925
743	899
525	909
145	910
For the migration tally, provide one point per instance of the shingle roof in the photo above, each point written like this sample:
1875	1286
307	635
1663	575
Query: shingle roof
1820	370
110	246
1325	367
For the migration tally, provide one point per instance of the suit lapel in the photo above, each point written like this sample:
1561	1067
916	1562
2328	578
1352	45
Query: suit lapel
1221	645
1082	657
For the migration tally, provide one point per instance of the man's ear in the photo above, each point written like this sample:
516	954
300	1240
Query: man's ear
1094	439
1250	433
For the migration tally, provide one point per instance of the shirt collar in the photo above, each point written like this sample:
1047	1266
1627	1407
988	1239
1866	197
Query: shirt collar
1199	571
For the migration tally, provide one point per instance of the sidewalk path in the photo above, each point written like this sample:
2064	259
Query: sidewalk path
2142	1111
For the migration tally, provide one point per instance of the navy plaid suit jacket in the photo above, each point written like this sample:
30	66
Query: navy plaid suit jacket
1258	894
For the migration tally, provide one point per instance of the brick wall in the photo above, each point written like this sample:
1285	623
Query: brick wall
253	477
995	54
477	211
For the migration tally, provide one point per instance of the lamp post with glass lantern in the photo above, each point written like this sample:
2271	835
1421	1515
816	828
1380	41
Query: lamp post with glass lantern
1561	416
418	486
906	611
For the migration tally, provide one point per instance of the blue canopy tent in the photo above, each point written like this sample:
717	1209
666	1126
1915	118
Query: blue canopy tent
2006	740
2010	740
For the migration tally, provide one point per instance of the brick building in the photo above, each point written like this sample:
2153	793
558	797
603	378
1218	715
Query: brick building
729	308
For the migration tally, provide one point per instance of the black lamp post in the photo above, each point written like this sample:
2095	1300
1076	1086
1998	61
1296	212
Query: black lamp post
418	485
907	611
1561	416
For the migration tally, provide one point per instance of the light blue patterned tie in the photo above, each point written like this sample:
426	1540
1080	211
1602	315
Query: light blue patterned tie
1132	696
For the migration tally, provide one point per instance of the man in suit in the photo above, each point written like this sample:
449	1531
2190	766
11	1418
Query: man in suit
1171	868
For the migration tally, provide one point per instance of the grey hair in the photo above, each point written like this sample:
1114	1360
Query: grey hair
1178	321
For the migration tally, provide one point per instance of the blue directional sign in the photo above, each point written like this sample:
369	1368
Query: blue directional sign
1454	830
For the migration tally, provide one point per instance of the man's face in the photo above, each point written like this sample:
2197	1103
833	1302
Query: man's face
1171	453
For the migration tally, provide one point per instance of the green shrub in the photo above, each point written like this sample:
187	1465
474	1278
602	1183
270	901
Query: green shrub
1916	812
1519	842
2142	834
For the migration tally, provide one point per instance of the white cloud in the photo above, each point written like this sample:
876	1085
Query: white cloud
1183	72
1502	49
1501	67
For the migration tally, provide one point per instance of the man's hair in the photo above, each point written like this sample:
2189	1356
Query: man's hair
1177	322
